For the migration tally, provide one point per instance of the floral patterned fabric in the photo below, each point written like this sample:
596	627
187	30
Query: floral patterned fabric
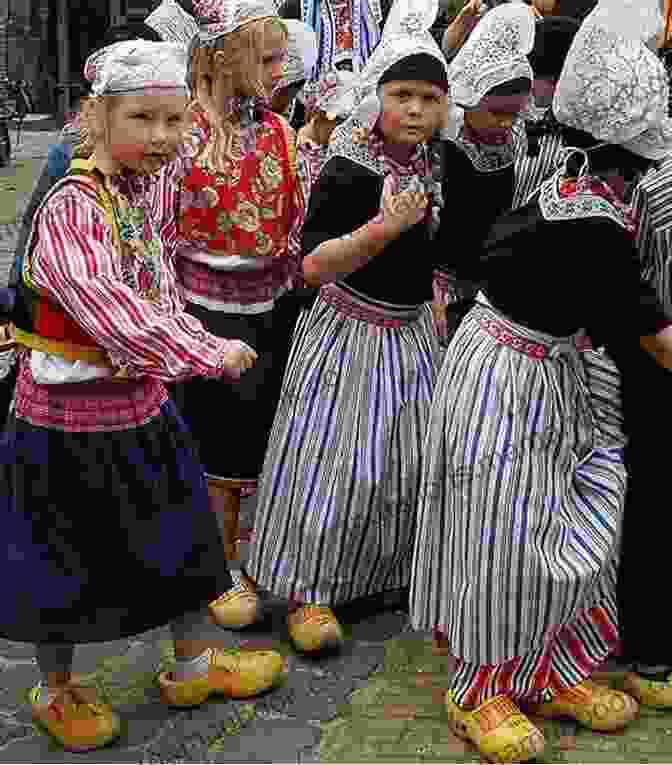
238	202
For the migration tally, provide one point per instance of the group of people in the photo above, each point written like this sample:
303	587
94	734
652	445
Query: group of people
431	328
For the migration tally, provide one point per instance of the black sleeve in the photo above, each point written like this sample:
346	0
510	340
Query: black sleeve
344	198
627	306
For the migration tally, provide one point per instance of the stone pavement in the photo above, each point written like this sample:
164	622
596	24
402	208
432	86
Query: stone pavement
34	146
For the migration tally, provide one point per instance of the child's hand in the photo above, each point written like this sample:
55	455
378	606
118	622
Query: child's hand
404	210
238	359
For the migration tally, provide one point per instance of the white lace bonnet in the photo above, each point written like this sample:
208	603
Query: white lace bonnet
495	53
135	66
612	85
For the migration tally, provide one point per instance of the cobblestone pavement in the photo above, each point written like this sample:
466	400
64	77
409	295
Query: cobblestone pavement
381	700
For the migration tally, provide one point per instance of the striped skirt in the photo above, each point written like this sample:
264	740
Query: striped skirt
336	514
521	505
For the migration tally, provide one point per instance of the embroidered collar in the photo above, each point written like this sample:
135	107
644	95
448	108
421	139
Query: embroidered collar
589	197
489	158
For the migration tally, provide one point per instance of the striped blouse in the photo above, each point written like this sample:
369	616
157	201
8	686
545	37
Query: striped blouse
151	338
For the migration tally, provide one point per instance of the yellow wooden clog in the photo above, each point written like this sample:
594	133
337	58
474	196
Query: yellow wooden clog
498	729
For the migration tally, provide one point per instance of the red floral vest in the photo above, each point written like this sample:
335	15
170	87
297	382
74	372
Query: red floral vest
243	206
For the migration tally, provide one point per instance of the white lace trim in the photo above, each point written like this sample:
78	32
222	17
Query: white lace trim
582	205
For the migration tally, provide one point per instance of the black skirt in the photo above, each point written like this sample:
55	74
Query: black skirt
231	421
104	535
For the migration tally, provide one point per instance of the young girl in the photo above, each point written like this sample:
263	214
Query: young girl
336	513
329	101
101	484
240	211
524	480
645	527
490	81
537	158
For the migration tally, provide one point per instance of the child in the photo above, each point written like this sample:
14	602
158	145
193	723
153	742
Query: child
240	209
524	481
490	81
336	514
101	476
329	101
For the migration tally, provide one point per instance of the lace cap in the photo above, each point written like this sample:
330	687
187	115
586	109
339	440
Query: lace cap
495	53
616	89
136	65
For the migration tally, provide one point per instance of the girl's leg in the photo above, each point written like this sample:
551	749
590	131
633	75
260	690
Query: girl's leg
202	669
74	716
55	663
240	606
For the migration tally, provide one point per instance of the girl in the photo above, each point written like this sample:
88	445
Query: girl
329	101
644	526
240	212
490	80
524	480
101	476
336	513
537	158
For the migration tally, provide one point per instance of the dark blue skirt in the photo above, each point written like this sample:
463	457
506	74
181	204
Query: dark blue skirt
104	535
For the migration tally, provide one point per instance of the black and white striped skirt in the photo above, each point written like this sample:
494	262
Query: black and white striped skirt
522	490
337	508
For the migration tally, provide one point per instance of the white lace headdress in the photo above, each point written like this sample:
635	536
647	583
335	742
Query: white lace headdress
333	93
406	34
495	53
172	23
612	85
136	65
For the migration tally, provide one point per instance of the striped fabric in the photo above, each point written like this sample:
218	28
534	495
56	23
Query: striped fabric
522	494
571	657
532	171
336	515
652	203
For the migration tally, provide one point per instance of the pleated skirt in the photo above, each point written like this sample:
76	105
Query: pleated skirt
522	492
337	506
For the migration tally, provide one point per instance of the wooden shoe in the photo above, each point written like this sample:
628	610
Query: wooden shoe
650	693
76	719
238	674
238	607
314	628
498	729
595	706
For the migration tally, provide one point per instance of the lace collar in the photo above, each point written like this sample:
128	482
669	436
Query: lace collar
587	197
488	158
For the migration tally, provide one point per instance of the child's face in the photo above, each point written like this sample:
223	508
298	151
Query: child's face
411	111
274	54
144	131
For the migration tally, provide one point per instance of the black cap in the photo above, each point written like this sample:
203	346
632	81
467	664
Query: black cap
418	66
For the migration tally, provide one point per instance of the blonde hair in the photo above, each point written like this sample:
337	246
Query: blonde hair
235	59
91	130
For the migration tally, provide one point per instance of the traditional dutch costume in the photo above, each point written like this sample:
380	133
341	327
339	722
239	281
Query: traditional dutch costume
336	513
524	480
101	479
479	171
